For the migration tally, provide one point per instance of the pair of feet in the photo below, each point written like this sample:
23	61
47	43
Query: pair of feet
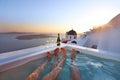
64	51
57	52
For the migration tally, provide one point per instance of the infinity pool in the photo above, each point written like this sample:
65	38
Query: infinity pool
91	68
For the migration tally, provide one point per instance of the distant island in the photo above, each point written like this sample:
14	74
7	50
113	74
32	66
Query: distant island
33	36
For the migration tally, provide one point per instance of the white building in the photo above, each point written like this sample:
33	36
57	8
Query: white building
70	35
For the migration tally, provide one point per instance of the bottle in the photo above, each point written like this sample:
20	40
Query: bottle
58	40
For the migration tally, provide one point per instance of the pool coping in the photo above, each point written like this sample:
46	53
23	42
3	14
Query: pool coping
16	58
96	52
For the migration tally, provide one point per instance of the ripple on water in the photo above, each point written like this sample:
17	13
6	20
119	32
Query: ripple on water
95	68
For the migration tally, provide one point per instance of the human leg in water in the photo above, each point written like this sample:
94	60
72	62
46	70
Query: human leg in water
55	62
54	73
75	74
34	75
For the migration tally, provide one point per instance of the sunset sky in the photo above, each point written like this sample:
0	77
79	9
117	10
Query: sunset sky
54	16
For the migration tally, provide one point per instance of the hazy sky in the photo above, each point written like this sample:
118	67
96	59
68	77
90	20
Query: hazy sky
55	15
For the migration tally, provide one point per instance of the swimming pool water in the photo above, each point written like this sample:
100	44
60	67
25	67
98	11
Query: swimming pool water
90	67
94	68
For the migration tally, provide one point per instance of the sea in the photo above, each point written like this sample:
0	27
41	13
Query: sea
8	42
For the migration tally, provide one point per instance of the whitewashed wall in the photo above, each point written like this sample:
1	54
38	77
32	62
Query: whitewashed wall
110	39
93	39
70	37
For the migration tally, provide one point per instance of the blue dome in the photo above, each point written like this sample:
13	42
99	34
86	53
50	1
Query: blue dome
71	32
